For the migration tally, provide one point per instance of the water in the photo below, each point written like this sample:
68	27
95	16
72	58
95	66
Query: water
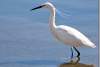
25	39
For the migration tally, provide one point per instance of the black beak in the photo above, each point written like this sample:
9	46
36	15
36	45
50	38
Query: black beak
38	7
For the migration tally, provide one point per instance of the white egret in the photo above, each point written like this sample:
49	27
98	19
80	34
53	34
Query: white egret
66	34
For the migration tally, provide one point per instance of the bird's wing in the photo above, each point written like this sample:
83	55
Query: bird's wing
72	32
75	34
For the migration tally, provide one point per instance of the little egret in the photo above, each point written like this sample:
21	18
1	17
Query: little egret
66	34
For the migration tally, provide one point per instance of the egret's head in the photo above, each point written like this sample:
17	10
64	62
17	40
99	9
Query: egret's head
45	5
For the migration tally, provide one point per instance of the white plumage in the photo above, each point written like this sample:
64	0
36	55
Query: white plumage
71	36
65	34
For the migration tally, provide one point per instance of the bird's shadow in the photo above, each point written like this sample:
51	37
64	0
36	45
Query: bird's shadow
75	63
72	63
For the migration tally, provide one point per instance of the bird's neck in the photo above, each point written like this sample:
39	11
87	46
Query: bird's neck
52	19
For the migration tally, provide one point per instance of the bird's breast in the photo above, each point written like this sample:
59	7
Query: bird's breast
65	38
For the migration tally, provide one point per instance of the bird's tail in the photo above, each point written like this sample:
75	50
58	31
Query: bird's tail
90	44
93	45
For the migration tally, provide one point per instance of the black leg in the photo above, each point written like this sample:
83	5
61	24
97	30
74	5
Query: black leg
72	52
78	53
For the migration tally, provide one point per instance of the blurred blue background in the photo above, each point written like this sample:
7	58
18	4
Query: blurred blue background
25	35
